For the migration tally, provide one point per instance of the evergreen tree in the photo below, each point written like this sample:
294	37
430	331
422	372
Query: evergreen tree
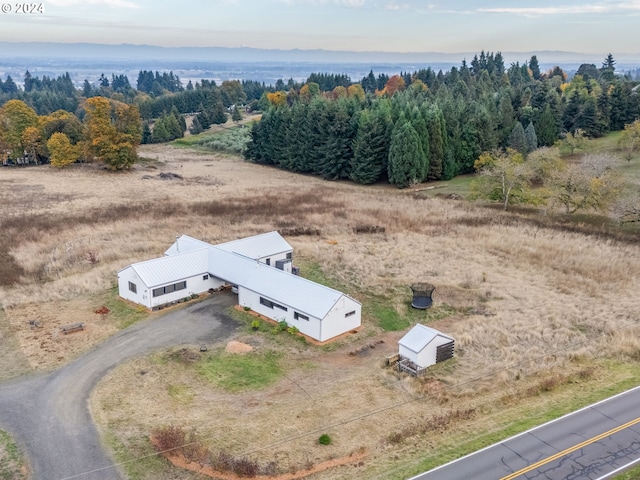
195	127
370	147
405	155
546	129
236	115
437	143
535	67
587	120
571	113
530	137
517	139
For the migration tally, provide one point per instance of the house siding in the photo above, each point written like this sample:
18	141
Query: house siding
336	322
141	296
195	285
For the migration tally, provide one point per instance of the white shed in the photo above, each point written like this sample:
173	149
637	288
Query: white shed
424	346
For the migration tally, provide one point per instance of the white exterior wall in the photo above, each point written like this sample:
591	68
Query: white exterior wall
425	357
273	258
141	297
336	323
251	299
195	284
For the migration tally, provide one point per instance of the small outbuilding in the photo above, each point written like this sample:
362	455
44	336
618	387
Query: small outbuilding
423	346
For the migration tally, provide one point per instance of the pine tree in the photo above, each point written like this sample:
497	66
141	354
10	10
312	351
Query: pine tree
517	139
405	155
546	130
370	147
530	137
195	127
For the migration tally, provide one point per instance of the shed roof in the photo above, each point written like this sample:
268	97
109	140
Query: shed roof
257	246
171	269
420	336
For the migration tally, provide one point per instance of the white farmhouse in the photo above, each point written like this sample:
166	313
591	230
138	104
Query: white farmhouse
423	346
260	267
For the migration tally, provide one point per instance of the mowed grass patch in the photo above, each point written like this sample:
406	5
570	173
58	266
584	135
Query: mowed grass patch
11	461
123	313
390	319
241	372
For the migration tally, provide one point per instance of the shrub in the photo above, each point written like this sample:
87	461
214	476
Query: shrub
324	439
255	324
282	326
293	330
169	438
103	312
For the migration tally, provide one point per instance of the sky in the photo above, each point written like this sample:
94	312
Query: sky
587	26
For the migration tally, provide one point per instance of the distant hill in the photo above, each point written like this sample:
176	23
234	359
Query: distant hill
90	60
76	51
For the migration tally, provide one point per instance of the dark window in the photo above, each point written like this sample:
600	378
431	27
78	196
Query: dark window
299	316
133	288
268	261
289	255
205	277
265	302
169	288
281	307
349	314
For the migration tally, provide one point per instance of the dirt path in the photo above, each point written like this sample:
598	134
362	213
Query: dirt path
49	416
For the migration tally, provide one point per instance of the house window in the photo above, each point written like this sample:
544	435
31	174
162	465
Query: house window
205	277
268	261
157	292
270	304
265	302
299	316
133	287
289	255
348	314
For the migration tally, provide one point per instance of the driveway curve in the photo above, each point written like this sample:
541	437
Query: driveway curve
48	414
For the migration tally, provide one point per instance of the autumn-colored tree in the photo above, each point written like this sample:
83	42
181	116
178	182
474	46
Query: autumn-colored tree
393	85
15	117
61	150
504	177
309	90
339	92
356	91
588	185
113	131
277	99
630	140
32	142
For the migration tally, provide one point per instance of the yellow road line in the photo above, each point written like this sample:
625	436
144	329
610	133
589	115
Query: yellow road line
570	450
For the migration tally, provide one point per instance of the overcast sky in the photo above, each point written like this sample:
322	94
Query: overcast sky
594	26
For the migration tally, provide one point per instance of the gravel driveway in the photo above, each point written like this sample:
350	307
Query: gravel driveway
48	415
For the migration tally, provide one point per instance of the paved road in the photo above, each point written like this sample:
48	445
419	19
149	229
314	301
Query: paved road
48	415
592	443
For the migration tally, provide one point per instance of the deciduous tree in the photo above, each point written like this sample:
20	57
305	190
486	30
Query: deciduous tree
629	141
61	150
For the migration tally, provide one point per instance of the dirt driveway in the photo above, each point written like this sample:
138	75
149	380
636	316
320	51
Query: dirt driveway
49	416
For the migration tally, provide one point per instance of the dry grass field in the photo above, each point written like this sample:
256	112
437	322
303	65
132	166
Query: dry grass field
543	312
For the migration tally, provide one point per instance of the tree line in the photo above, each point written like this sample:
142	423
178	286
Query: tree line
433	126
109	132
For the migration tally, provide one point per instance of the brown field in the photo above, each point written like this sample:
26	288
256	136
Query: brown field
535	305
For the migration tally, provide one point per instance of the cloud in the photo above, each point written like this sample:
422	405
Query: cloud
107	3
594	8
346	3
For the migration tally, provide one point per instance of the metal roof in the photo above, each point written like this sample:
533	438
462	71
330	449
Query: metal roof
420	336
185	243
171	269
293	291
257	246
